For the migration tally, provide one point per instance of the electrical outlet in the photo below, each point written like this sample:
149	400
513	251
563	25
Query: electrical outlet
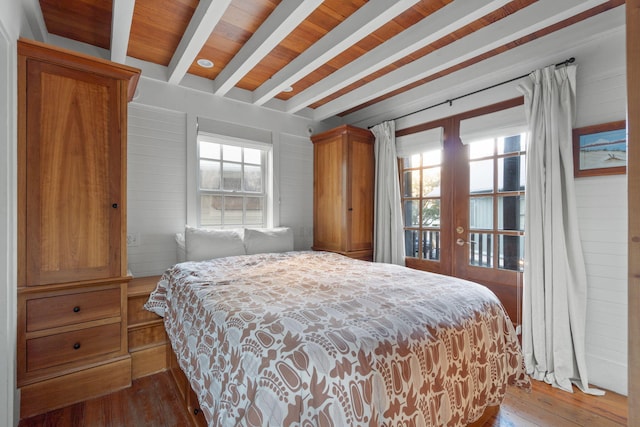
133	239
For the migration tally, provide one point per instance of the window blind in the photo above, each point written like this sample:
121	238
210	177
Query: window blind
511	121
244	136
419	142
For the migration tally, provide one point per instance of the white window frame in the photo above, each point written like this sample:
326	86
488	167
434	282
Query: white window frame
264	194
238	135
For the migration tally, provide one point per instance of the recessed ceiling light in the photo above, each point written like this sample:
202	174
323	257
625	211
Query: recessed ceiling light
288	89
205	63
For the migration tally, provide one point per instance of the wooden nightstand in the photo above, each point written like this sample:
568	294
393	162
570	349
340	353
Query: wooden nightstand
148	344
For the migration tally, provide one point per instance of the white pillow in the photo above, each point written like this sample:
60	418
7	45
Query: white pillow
201	244
265	240
180	247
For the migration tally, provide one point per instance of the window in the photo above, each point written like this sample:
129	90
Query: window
232	183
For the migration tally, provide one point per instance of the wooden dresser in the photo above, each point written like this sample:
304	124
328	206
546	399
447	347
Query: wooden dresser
343	191
72	261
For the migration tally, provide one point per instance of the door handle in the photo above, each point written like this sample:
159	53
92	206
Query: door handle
460	242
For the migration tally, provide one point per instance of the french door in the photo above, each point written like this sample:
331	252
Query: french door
463	208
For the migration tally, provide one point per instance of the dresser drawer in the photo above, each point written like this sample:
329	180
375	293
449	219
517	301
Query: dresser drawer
69	309
136	313
149	335
71	346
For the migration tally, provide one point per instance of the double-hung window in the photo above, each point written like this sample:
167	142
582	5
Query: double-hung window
232	182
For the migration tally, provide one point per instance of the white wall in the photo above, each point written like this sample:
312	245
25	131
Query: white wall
602	217
156	186
7	229
161	162
10	23
601	201
296	188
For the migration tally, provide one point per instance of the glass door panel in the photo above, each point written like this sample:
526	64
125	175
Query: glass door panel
422	180
491	248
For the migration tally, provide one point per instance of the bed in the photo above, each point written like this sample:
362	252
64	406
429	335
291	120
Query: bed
319	339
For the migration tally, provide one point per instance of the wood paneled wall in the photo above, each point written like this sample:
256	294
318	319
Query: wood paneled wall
633	127
601	98
605	253
157	185
158	176
296	188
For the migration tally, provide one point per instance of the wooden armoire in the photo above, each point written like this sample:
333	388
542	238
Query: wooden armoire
343	186
72	261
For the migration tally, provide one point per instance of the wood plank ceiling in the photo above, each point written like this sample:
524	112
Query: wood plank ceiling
325	58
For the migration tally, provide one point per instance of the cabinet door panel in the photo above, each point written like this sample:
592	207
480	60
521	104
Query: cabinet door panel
329	197
343	191
73	175
361	188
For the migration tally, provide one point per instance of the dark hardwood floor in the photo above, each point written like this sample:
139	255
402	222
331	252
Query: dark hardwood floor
546	406
153	401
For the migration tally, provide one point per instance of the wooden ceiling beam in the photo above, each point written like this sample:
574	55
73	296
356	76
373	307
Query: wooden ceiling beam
539	15
204	19
430	29
121	19
363	22
520	58
284	19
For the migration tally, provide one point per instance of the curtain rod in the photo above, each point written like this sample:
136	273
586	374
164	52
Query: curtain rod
450	101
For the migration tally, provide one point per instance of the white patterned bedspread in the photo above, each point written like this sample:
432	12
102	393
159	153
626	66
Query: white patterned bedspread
319	339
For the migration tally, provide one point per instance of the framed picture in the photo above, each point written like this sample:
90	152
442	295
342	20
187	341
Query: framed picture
600	149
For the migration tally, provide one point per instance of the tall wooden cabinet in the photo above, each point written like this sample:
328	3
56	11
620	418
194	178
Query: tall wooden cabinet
72	263
343	186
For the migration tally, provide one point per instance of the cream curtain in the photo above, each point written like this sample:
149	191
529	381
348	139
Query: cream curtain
555	282
388	229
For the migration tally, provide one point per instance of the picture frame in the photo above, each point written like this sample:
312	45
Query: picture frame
600	149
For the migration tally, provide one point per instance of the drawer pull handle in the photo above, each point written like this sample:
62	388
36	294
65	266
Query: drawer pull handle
76	309
76	346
